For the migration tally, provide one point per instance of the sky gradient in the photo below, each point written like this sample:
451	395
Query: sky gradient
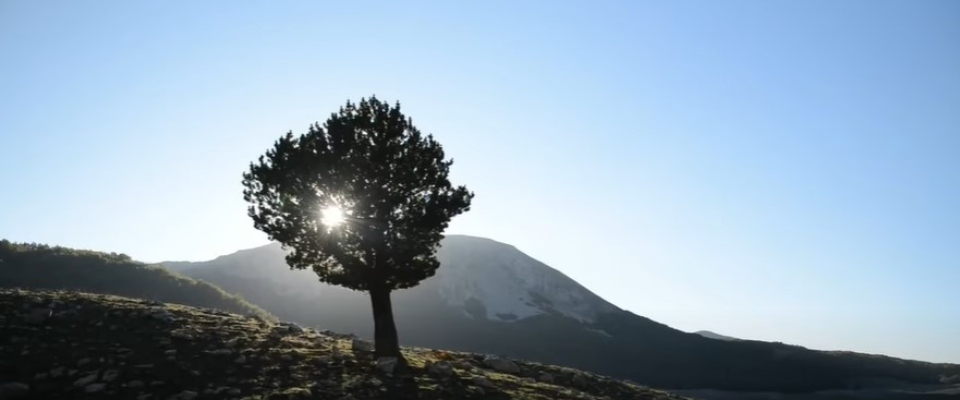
784	171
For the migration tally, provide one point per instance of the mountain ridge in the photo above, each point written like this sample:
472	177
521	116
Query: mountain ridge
599	337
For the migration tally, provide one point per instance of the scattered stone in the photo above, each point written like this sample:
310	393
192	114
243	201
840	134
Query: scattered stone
110	375
293	328
462	364
86	380
41	376
545	378
94	387
297	393
134	384
440	368
56	372
171	352
186	395
240	360
387	364
579	379
181	334
221	352
482	381
361	345
83	361
502	365
144	396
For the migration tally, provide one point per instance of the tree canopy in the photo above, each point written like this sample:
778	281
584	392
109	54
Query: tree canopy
386	183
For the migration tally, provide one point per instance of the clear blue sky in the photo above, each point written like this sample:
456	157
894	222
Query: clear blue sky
770	170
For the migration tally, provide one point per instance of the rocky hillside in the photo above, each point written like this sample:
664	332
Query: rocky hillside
71	345
490	297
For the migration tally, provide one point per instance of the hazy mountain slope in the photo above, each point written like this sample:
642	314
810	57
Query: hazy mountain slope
713	335
490	297
49	267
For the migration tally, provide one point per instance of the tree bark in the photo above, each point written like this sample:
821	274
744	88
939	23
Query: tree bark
386	341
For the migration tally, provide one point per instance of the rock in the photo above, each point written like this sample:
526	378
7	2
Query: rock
186	395
361	345
579	380
545	378
181	334
83	361
463	364
110	375
144	396
171	352
56	372
41	376
297	393
134	384
13	390
440	368
223	389
482	381
528	380
221	352
234	392
162	315
86	380
387	364
240	360
502	365
37	316
293	328
94	387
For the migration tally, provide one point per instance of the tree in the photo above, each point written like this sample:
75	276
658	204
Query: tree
362	201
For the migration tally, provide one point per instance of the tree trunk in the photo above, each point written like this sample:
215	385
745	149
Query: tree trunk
386	341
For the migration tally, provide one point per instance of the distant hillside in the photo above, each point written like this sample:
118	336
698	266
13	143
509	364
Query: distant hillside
489	297
37	266
140	350
712	335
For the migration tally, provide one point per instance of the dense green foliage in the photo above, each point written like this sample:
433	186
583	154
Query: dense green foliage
39	266
389	180
390	183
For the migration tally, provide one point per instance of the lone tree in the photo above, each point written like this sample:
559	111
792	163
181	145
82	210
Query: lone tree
362	201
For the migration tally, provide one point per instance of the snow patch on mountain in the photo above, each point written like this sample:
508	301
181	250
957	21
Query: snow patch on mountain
509	285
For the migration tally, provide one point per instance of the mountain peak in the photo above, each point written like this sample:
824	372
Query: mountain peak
496	281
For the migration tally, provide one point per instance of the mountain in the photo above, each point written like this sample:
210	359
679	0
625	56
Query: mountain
135	349
717	336
489	297
37	266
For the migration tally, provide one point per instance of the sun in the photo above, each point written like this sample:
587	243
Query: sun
332	216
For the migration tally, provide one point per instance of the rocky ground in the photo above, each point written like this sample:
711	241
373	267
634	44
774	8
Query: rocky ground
68	345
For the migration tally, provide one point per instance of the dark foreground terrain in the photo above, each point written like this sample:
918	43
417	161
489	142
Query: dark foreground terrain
71	345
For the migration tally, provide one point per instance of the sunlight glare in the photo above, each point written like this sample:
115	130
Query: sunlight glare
332	216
